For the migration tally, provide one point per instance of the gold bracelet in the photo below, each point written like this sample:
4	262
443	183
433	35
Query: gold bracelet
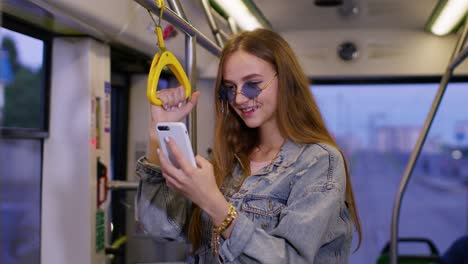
216	231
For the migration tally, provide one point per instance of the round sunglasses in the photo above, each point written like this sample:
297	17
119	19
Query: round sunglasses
249	89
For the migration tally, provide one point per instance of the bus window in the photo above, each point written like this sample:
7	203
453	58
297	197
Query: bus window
377	126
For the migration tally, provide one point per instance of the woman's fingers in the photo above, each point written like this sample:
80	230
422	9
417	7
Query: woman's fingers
186	108
179	156
181	98
170	182
172	95
168	168
172	98
174	107
164	97
202	162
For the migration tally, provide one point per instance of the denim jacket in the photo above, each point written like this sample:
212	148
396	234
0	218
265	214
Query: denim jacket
291	211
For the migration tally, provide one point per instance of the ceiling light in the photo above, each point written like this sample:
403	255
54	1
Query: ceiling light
447	16
238	10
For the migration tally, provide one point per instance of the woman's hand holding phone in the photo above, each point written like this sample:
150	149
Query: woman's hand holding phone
174	109
196	183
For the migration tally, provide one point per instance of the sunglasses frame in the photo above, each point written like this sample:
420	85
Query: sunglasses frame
224	91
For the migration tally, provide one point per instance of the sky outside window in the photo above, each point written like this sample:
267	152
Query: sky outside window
377	126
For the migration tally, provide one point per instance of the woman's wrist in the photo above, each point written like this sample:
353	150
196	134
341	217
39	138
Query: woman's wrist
223	229
217	208
152	154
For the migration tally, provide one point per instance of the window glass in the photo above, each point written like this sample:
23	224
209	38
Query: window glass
20	200
377	127
21	80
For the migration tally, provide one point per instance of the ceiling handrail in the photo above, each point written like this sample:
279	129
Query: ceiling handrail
182	24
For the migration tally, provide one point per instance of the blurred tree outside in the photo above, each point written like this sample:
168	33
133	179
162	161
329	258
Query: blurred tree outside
23	94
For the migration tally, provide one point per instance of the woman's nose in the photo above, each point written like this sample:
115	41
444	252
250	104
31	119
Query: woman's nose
239	97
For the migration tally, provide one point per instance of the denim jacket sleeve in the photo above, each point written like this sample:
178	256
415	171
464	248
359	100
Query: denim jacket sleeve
306	223
162	212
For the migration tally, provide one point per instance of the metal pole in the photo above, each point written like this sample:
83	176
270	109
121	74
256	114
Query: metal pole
459	59
181	24
232	25
177	8
229	22
190	46
122	185
224	35
191	69
461	41
212	22
419	144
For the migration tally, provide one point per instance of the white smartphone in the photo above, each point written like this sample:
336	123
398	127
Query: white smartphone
178	132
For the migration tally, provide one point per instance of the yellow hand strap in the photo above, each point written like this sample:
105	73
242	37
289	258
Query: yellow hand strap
161	59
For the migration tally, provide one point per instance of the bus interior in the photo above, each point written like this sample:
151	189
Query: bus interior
388	75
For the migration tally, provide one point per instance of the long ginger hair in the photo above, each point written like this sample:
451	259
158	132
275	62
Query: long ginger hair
297	114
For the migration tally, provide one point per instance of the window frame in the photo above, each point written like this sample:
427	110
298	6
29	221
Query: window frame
15	24
434	79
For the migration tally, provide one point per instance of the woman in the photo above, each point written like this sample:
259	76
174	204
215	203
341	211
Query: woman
277	189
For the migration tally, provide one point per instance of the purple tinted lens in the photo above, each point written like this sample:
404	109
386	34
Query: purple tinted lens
231	94
223	94
249	90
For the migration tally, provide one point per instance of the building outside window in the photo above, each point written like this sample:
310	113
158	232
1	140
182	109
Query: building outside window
377	126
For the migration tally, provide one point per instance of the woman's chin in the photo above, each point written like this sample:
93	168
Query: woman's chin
251	123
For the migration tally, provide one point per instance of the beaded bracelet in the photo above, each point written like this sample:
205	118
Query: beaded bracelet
216	231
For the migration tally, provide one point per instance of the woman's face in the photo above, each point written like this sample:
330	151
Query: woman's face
242	68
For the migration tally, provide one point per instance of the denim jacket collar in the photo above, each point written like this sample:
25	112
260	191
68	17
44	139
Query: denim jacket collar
288	154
